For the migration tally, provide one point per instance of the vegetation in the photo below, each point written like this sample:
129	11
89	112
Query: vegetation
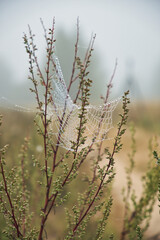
54	193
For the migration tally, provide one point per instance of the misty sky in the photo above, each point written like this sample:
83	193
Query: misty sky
126	29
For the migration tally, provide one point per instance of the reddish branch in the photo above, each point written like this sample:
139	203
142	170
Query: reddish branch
50	52
85	64
104	176
109	86
15	223
48	179
72	79
50	200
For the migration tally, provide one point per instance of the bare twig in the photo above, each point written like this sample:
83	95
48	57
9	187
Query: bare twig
72	79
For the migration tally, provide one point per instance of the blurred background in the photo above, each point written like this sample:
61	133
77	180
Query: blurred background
125	30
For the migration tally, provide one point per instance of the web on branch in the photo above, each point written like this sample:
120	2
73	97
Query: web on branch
64	115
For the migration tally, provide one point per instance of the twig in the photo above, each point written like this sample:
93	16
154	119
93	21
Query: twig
75	58
123	120
85	64
19	234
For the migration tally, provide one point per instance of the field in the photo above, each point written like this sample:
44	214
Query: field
18	125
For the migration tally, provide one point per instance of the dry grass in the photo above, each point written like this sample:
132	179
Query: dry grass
146	117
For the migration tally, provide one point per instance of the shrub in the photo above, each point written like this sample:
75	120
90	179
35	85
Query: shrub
72	156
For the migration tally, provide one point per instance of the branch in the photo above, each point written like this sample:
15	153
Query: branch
15	223
75	58
116	147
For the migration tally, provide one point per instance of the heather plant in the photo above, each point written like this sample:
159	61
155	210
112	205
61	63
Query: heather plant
14	198
73	133
138	211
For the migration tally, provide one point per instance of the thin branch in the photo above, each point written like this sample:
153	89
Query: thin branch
19	234
105	174
109	86
85	64
75	58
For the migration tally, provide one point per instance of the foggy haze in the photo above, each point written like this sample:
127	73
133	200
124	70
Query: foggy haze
127	30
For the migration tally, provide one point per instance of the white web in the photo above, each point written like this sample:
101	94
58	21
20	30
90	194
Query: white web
60	94
64	115
99	122
6	104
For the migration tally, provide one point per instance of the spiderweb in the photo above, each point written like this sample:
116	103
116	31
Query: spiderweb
64	115
6	104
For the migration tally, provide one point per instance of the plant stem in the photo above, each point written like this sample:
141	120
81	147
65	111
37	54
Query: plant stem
19	234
